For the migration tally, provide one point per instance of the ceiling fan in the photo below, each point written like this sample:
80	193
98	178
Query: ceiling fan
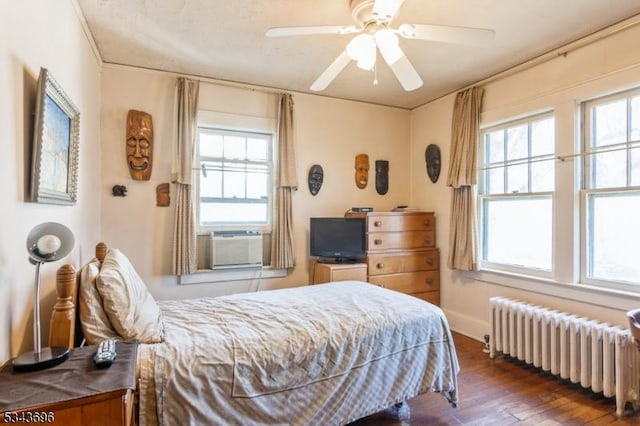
373	26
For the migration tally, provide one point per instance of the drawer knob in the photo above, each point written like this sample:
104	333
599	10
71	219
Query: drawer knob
429	281
429	261
380	265
377	242
427	241
427	222
377	223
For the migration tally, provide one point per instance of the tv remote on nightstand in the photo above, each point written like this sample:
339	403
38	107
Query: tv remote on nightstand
106	353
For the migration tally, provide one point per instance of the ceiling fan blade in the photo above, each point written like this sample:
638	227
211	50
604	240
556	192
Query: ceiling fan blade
406	74
386	9
331	72
311	30
447	33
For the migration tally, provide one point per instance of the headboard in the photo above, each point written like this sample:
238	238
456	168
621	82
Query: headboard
65	329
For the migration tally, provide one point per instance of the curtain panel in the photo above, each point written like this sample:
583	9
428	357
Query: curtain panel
462	177
184	232
282	241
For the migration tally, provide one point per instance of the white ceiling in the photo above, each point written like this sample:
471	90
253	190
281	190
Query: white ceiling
225	40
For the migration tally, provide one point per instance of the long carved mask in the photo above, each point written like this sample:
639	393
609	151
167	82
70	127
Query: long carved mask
139	144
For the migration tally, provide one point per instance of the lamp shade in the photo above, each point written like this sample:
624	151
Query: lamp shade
49	241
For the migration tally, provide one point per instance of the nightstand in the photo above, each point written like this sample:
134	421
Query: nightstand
74	392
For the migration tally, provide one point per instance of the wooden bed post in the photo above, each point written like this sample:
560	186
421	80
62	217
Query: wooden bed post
62	330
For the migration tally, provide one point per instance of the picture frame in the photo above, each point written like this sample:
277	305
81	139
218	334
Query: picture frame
54	157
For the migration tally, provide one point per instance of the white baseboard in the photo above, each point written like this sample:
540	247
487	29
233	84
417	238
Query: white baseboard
467	326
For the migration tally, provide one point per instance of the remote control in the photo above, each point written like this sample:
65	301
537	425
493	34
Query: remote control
106	353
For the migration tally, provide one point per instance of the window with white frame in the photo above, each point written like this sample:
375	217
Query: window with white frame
516	187
235	179
611	191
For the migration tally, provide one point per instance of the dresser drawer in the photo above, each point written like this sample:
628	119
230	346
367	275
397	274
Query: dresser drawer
409	282
405	222
432	297
400	240
394	263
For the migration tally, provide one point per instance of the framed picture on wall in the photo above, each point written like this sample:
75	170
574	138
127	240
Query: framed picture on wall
54	157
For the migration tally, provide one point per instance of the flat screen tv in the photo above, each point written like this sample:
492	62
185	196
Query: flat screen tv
337	239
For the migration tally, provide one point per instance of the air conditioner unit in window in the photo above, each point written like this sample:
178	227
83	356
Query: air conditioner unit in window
236	249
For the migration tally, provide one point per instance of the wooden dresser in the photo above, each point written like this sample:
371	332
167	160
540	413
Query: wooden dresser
402	253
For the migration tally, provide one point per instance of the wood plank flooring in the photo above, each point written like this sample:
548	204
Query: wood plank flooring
506	392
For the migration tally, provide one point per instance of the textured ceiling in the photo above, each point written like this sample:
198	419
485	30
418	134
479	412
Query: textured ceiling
225	40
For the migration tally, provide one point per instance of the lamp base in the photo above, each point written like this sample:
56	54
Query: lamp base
46	358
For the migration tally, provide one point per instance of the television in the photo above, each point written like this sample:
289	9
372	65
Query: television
338	239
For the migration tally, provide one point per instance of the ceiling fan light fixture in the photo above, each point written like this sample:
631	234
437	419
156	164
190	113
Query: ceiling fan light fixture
389	47
362	48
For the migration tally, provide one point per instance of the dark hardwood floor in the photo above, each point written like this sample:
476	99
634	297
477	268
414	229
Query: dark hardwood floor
505	392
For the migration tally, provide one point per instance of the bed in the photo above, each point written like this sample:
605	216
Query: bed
321	354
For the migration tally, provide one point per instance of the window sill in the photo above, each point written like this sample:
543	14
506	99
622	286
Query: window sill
208	276
608	298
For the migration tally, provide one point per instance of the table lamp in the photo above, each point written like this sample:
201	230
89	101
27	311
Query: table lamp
47	242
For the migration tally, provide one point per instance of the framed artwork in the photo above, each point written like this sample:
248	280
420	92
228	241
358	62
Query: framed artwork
54	157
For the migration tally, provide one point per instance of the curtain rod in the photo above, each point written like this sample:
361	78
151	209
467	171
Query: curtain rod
552	54
205	79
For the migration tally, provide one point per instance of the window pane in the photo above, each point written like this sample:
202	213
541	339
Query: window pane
210	145
256	185
211	186
614	237
518	232
234	148
543	137
518	178
495	146
211	213
495	180
543	176
635	118
517	146
234	185
610	123
257	149
610	169
635	166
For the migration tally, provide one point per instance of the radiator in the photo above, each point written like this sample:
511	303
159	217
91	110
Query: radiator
594	354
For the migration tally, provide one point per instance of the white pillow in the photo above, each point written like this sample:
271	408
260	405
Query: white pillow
95	322
132	310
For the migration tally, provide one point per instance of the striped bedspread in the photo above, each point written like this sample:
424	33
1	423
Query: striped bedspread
325	354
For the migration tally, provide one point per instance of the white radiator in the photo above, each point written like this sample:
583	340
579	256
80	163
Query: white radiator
236	249
596	355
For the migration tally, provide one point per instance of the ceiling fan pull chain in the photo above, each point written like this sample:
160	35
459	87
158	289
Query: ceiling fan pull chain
375	75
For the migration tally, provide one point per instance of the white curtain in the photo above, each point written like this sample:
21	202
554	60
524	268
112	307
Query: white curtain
282	243
465	130
184	232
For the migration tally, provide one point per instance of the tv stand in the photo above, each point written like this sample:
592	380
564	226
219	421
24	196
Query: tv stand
320	273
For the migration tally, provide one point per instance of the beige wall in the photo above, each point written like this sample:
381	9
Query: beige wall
328	132
34	34
609	65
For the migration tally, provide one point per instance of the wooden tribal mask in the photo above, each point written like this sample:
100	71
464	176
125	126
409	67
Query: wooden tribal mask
362	170
382	176
139	144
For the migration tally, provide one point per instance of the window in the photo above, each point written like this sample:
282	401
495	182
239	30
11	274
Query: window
611	190
235	184
517	180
